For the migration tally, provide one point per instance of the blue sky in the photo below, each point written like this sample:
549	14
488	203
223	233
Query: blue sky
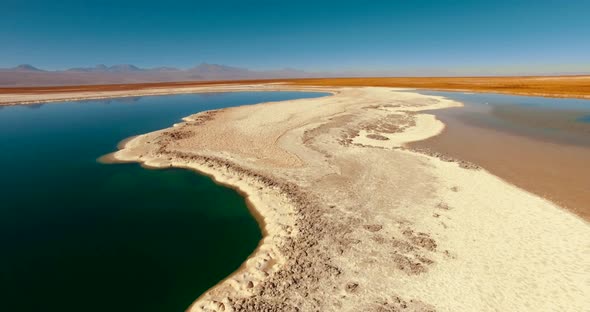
397	37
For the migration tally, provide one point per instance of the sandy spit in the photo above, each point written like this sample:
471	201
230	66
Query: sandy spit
354	221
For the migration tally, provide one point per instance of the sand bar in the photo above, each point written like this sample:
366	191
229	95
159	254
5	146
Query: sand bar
354	221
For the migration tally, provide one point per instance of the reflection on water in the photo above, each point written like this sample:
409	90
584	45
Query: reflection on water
34	106
123	100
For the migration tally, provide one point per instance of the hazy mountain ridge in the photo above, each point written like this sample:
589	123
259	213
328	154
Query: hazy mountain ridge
104	68
28	75
22	68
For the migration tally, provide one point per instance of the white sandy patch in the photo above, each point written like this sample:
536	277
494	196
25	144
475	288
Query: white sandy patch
511	249
426	126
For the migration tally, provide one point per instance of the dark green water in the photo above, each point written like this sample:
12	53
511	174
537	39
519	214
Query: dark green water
77	235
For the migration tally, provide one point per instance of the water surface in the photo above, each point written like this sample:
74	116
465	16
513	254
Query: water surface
77	235
539	144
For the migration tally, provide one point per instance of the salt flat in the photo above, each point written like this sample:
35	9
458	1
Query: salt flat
354	221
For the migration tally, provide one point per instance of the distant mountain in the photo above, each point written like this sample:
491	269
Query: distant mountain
103	68
164	69
216	68
98	68
24	68
223	72
124	68
28	75
220	72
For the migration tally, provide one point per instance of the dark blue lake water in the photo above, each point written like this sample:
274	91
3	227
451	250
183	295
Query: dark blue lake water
77	235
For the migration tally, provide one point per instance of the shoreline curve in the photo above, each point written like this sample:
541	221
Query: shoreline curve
243	289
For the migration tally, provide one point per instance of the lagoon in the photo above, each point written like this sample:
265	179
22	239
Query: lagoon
76	234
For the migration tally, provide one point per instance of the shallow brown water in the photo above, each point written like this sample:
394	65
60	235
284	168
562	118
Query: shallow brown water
543	149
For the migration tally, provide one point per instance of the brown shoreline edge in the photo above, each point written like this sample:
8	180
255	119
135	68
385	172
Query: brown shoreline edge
557	171
334	242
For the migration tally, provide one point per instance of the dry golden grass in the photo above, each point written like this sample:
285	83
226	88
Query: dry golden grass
555	86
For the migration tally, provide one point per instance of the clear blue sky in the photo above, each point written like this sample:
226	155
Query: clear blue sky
372	36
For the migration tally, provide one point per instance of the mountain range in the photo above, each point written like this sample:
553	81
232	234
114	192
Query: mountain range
29	75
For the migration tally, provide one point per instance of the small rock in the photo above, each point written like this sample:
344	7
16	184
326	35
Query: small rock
373	227
352	287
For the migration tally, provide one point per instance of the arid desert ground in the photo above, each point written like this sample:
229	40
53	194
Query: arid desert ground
551	86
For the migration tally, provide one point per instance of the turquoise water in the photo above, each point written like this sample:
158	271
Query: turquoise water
77	235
